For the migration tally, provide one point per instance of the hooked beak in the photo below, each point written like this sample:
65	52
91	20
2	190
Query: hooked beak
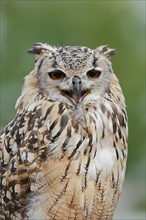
76	93
76	88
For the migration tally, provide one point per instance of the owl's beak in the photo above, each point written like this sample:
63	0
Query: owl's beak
76	81
76	94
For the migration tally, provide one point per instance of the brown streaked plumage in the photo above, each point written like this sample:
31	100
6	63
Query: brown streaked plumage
63	156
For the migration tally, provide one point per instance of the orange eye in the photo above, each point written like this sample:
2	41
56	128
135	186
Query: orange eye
56	75
93	73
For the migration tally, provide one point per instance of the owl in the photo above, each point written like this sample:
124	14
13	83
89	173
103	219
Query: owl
63	156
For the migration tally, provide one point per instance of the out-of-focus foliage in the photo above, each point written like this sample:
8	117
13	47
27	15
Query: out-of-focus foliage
119	24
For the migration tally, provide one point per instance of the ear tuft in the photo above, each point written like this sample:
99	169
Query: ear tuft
38	48
106	51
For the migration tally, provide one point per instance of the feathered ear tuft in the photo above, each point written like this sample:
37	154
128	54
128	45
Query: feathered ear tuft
38	48
106	51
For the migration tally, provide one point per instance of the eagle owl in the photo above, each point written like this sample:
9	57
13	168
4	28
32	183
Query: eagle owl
63	156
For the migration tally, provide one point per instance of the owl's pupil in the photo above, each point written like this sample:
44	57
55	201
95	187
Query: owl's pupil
58	75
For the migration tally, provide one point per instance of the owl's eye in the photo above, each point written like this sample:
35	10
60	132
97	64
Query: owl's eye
56	74
93	73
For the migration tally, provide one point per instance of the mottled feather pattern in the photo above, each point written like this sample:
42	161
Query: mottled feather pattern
61	159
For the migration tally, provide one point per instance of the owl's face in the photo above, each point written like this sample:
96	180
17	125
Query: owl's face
74	75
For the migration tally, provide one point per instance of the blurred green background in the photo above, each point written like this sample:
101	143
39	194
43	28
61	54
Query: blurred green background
119	24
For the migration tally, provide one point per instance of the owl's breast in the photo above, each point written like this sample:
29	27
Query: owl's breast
65	188
78	166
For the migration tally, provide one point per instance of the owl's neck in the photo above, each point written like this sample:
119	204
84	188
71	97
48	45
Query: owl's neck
29	93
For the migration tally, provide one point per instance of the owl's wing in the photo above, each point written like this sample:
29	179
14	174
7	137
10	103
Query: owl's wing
23	145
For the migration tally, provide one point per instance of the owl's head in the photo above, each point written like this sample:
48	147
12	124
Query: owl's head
73	74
